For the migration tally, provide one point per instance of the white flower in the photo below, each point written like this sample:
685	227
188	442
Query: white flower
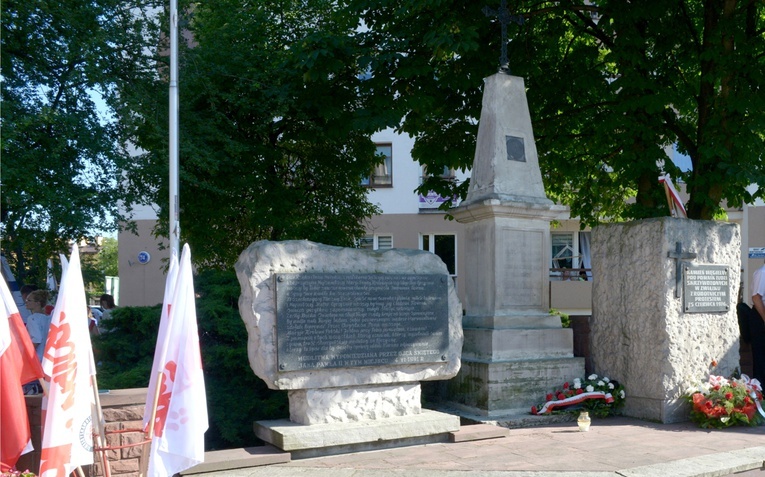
621	394
592	377
610	385
590	389
601	383
577	385
606	379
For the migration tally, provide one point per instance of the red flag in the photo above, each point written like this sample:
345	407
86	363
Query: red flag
67	440
18	365
181	422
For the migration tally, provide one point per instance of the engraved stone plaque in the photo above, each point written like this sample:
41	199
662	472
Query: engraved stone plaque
340	320
706	288
516	150
522	272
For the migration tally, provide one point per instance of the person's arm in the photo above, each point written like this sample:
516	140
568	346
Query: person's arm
759	305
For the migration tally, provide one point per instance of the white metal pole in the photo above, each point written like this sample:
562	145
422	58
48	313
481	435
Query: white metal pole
174	225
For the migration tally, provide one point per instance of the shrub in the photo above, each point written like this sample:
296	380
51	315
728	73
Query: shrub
235	396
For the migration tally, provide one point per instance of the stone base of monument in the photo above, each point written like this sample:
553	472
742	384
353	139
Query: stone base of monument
305	441
663	309
494	389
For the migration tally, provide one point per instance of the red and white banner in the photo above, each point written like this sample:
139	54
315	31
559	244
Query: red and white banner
673	197
162	338
18	366
67	436
579	398
181	415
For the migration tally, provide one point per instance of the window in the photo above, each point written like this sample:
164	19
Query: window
570	250
445	246
376	242
563	250
382	174
446	173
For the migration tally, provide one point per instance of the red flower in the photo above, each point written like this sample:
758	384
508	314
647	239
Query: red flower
579	391
549	397
561	397
747	400
728	396
733	384
709	405
716	387
565	385
534	409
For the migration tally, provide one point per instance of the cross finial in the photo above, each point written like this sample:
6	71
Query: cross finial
504	17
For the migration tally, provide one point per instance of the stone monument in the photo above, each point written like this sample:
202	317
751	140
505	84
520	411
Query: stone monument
515	351
664	309
349	334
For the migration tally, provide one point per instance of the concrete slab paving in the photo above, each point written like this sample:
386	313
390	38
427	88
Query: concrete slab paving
613	447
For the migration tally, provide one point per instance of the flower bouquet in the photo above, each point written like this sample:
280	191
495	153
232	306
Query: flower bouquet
600	396
17	473
722	402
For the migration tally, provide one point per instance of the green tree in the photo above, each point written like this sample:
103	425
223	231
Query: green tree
609	86
275	126
61	150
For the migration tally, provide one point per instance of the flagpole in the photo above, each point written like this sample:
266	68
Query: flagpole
173	225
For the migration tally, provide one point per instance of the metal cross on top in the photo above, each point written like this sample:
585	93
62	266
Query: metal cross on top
504	17
679	255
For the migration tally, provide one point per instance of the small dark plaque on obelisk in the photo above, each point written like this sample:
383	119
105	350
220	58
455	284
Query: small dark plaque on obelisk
516	150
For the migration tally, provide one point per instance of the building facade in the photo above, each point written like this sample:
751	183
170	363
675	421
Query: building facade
411	220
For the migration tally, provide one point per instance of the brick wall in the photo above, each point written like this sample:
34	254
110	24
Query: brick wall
122	410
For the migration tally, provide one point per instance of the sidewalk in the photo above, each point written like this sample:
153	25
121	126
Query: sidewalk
615	446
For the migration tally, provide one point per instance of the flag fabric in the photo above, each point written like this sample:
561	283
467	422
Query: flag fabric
673	197
161	346
181	415
18	365
67	436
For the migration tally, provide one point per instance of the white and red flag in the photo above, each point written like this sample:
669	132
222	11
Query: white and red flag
181	415
676	207
67	436
18	366
161	346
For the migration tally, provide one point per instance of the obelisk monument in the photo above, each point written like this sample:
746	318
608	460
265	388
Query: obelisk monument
515	351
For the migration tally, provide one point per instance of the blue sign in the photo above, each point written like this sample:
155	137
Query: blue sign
144	257
757	252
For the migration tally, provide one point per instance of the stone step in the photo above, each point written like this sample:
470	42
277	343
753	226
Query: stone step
477	432
517	344
239	458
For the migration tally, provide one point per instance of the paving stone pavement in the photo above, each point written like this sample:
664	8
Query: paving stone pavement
616	446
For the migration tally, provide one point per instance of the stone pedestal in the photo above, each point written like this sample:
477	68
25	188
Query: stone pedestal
641	332
515	351
342	408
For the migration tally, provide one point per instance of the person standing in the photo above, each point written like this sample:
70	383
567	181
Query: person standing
107	305
38	323
757	324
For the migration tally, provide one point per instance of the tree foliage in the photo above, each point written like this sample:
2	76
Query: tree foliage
61	156
610	86
275	126
235	396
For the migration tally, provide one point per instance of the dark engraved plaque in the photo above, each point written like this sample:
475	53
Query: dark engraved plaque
516	151
340	320
706	288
